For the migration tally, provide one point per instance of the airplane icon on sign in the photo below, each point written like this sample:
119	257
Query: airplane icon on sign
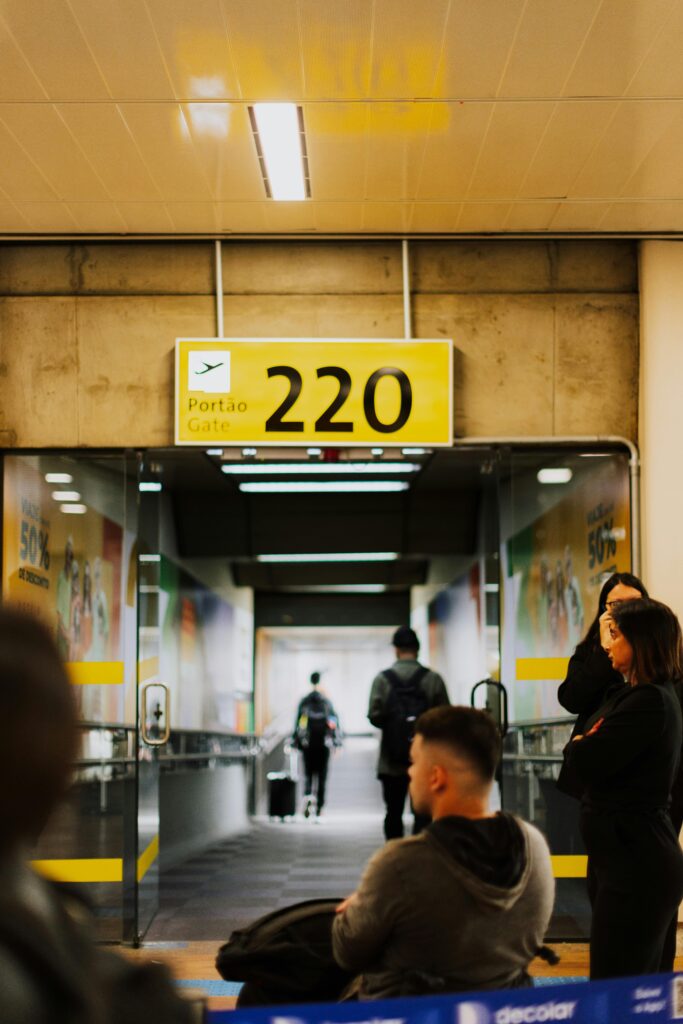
208	373
208	367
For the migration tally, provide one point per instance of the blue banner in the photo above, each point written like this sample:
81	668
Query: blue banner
650	999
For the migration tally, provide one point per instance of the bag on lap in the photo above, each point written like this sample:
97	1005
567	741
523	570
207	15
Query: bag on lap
285	957
406	702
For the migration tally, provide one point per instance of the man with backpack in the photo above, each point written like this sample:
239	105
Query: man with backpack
316	731
398	697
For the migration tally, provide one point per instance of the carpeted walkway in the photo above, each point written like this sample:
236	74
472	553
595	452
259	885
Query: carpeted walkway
278	863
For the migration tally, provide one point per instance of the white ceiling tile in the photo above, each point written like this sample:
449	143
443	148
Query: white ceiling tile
435	217
196	48
163	138
12	219
336	141
661	73
336	45
146	218
289	216
530	216
619	41
476	217
100	218
265	44
478	38
578	216
396	140
387	217
406	48
43	134
20	178
224	145
659	174
193	218
104	138
17	82
546	46
338	217
241	217
457	131
572	132
50	39
652	216
49	217
511	141
633	131
123	42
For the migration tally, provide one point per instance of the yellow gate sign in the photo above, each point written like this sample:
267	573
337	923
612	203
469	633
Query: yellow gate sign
302	391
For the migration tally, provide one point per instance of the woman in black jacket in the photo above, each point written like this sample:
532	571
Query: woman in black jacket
589	674
627	760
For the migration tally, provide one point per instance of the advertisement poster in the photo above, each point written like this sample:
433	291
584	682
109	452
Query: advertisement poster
66	568
200	638
554	569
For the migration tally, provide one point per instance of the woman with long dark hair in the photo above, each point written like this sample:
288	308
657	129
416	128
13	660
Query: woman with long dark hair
590	675
627	760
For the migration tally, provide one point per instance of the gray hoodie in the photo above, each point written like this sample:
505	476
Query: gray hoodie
464	905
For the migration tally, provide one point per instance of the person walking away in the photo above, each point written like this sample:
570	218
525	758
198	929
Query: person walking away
399	695
316	732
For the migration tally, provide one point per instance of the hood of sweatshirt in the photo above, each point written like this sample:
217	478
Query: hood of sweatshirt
490	856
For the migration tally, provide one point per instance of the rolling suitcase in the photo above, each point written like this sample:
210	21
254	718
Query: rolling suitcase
281	795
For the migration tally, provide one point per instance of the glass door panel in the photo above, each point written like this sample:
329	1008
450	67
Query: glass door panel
69	528
564	527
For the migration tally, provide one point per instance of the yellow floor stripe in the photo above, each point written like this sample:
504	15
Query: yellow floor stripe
569	866
146	859
147	668
95	673
86	870
541	668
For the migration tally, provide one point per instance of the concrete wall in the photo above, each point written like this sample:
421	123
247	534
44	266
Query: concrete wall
661	413
545	332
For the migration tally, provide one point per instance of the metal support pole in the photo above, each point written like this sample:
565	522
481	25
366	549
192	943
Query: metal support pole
407	313
219	289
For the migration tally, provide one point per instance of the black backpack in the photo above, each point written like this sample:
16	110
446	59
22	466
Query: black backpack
316	730
406	702
285	957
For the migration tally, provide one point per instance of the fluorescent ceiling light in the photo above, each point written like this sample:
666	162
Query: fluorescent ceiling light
278	131
314	451
66	496
341	588
413	451
317	468
74	510
247	452
59	478
377	451
338	556
325	487
559	475
149	558
214	451
149	485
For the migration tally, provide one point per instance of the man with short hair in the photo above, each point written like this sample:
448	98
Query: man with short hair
398	697
465	904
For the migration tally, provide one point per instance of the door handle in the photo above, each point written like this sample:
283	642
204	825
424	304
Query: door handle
157	713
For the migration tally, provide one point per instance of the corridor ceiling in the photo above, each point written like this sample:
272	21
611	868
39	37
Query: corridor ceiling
129	117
